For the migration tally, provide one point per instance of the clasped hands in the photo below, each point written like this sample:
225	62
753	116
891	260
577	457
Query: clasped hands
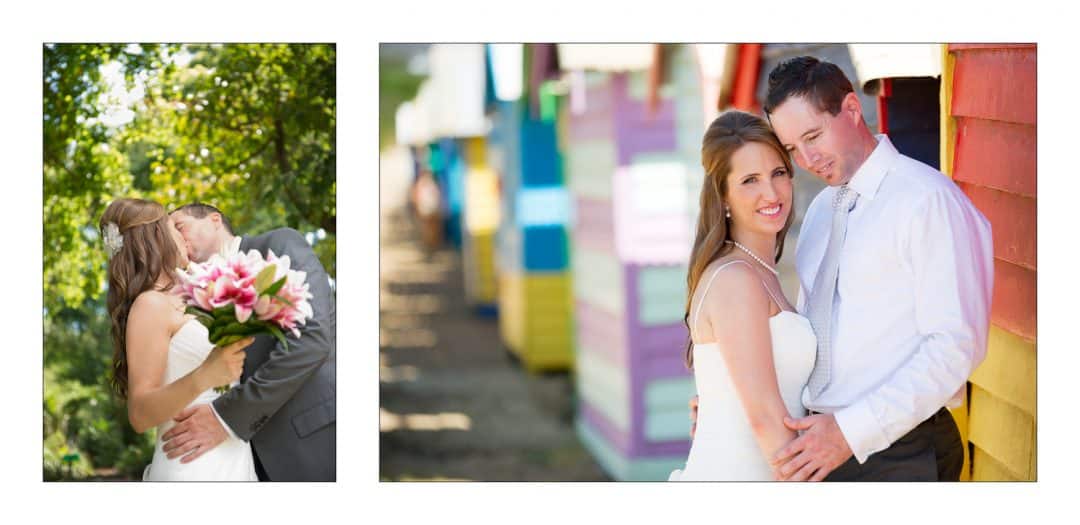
818	450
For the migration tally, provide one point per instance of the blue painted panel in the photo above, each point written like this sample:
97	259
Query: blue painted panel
545	248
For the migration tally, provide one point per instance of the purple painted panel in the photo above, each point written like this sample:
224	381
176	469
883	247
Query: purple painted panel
635	133
594	224
637	130
630	446
655	353
670	365
601	332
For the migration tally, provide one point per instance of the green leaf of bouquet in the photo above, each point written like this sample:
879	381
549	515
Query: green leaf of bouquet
222	311
234	328
278	334
276	287
229	339
284	300
265	278
201	315
221	321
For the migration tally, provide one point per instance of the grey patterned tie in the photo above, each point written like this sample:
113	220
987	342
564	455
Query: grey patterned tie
823	295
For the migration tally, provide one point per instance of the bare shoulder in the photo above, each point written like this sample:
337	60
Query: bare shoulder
153	305
736	289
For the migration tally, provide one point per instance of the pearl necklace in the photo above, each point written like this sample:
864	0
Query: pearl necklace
751	254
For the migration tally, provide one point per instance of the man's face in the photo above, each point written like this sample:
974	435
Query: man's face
825	145
203	236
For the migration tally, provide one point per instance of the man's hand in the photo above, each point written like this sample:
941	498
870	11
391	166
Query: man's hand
197	431
693	416
814	454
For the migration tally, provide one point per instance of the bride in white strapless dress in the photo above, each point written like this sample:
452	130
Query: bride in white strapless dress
229	461
751	354
163	361
724	447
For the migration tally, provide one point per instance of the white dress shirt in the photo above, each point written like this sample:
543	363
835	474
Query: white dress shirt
912	311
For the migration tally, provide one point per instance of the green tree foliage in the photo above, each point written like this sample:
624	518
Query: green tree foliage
249	128
396	85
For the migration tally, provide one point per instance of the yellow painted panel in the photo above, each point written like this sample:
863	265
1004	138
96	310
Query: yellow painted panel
536	319
948	123
1003	431
476	152
511	316
1032	461
1009	370
986	468
960	414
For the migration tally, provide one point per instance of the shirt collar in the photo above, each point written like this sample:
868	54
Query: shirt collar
868	177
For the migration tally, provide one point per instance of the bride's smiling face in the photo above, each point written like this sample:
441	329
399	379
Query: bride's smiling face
759	189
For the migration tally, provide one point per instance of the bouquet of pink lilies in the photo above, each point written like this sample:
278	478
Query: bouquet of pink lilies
235	295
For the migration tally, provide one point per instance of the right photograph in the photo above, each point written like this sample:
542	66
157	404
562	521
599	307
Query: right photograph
707	262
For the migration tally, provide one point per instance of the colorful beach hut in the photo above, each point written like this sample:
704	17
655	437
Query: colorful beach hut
632	126
969	109
989	148
458	158
534	298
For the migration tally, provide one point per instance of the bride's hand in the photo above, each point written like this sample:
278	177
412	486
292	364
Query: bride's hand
224	364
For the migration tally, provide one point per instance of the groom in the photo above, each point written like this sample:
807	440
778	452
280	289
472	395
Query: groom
895	270
285	405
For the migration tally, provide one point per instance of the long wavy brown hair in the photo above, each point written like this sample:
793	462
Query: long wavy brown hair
148	254
729	132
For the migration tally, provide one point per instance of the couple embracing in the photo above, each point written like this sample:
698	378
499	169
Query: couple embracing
895	271
277	422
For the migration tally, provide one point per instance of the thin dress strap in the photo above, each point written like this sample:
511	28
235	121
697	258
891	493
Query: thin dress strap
708	284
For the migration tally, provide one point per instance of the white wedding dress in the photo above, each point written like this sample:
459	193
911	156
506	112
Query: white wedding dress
229	461
724	448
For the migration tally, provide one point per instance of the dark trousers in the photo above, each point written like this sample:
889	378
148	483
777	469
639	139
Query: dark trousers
932	451
260	472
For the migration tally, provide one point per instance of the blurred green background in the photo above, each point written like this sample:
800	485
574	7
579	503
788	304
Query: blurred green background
249	128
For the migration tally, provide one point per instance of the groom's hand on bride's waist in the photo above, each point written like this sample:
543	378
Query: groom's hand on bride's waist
196	432
819	450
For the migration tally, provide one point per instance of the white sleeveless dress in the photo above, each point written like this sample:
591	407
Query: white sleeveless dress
724	448
229	461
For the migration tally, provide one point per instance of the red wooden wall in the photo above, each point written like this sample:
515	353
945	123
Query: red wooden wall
993	113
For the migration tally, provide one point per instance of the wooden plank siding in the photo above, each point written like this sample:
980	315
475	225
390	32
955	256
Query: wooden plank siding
989	149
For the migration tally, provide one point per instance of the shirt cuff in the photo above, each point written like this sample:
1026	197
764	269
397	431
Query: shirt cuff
223	423
862	431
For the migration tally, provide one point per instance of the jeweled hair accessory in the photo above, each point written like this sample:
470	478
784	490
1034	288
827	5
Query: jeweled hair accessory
113	240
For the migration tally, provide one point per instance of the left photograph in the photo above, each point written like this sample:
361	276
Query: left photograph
189	262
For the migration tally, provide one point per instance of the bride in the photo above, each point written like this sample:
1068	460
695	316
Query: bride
750	352
163	361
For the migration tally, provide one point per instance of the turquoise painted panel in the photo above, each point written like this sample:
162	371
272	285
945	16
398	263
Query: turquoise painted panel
621	468
667	412
661	294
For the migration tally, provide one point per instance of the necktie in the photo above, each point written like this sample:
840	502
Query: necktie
823	296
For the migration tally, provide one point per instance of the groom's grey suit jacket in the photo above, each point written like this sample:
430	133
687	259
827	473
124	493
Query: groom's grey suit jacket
285	405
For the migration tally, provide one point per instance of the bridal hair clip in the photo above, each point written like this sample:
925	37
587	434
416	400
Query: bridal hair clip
113	240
